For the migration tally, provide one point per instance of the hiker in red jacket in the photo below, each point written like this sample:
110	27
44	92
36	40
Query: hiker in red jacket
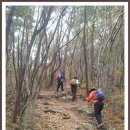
98	106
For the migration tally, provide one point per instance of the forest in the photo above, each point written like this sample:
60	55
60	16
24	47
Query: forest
82	41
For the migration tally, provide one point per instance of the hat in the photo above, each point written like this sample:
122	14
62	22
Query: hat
75	77
93	89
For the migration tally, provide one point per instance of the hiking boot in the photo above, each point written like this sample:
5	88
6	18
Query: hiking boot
100	125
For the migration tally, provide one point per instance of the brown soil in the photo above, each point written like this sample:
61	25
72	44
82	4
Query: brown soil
57	114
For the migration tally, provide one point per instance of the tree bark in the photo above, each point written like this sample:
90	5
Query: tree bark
85	56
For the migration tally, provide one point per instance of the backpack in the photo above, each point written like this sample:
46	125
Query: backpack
73	81
78	83
62	78
57	76
99	94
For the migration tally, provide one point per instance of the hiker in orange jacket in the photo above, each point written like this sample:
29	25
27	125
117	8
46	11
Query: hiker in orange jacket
98	106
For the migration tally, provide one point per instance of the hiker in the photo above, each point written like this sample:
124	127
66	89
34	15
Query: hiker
60	80
74	83
98	104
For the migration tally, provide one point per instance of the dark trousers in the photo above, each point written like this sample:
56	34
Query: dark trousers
60	83
73	90
97	111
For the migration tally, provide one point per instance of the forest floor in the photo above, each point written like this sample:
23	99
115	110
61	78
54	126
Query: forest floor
56	111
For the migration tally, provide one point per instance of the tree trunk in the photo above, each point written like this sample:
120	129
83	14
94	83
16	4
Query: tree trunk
85	56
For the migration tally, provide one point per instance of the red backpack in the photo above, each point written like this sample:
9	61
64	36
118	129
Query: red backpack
57	76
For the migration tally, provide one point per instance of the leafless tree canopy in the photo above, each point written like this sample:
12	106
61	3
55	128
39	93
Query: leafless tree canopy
87	42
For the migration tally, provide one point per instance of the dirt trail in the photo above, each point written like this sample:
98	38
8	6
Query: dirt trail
61	113
58	112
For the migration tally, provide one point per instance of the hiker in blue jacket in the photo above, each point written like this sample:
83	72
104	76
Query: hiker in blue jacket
60	77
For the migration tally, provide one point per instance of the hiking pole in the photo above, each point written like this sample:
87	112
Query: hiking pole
92	106
83	103
80	91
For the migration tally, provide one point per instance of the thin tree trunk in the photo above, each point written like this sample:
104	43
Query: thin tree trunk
85	56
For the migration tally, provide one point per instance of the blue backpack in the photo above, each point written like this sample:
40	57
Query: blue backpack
99	94
62	77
